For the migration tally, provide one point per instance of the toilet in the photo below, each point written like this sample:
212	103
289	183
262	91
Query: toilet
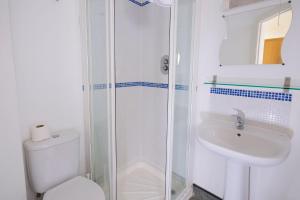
53	169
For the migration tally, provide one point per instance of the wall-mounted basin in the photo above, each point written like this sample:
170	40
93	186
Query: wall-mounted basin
258	144
253	145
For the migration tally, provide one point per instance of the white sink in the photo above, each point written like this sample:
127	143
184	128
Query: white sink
254	145
258	144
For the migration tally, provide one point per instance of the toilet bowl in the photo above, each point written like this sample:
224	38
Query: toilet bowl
78	188
53	168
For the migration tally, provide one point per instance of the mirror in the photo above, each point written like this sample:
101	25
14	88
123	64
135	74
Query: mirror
255	36
229	4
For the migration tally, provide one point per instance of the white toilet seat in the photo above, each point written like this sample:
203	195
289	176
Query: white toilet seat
78	188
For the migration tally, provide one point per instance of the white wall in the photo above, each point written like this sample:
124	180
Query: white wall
12	178
275	183
47	56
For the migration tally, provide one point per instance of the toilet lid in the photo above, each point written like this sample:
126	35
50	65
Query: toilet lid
78	188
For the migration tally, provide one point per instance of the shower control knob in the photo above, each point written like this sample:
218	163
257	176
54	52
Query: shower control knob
164	64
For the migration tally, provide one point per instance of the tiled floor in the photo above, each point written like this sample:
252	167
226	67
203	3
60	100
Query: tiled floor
203	198
201	194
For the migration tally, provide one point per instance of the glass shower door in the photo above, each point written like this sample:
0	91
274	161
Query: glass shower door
141	41
100	94
182	96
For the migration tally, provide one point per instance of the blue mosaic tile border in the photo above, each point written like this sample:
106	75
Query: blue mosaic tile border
154	85
139	3
141	84
253	94
127	84
182	87
99	86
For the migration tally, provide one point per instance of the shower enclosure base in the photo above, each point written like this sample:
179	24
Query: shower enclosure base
142	181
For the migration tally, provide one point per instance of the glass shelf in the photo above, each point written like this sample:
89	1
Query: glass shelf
252	85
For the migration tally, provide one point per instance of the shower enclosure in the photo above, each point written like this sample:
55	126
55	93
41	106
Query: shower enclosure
139	66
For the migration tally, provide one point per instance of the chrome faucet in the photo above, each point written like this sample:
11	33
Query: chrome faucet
240	119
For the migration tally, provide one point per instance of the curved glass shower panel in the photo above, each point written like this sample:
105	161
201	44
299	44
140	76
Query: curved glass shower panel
182	96
100	93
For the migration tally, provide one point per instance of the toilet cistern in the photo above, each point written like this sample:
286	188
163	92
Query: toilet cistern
53	168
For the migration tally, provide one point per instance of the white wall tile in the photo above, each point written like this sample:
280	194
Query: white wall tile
154	126
129	126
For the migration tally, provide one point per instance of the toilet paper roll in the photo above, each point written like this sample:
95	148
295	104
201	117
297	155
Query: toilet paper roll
40	132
